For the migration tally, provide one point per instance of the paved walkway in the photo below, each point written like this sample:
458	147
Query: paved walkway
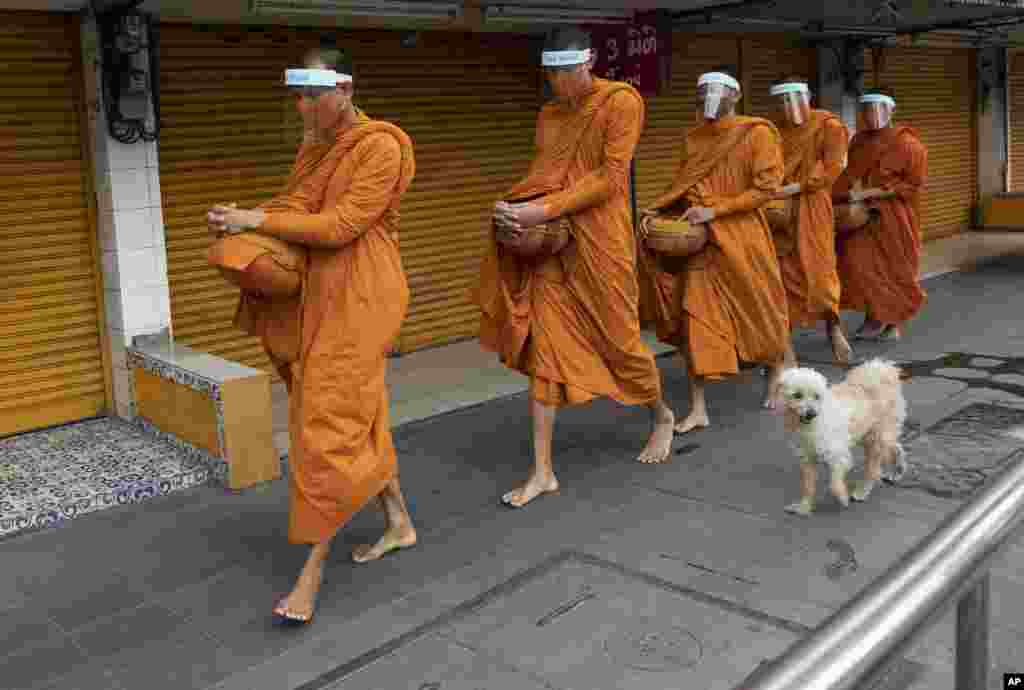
685	575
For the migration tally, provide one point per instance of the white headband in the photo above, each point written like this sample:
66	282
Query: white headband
878	98
718	78
790	87
560	58
315	77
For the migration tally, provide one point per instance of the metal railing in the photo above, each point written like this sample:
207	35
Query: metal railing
859	644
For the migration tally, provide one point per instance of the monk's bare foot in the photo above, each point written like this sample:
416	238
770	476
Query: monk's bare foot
393	539
890	332
300	604
842	353
693	421
534	487
870	330
771	399
659	445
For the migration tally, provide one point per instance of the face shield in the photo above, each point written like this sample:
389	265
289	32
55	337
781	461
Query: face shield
558	65
308	85
876	109
795	101
716	94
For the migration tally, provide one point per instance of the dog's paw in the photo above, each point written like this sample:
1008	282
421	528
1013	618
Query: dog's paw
861	490
804	508
895	472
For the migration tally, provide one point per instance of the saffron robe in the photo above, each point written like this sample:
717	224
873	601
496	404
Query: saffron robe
342	204
879	264
728	305
815	153
570	321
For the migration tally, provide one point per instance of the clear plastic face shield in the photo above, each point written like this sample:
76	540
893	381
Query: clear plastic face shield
876	109
794	100
716	94
308	85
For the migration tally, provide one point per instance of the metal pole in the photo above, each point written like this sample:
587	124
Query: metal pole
972	637
861	636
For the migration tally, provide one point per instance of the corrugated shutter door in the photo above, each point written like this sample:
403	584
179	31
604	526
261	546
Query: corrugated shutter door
934	90
51	360
673	112
765	60
223	139
470	104
1016	96
468	101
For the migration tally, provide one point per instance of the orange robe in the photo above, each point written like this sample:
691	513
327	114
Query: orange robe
570	322
815	153
728	305
343	207
879	263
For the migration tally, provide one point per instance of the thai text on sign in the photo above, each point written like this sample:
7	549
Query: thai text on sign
629	52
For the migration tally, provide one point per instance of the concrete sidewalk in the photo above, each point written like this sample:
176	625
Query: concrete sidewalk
685	575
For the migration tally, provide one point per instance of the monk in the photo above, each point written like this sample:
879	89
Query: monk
879	263
728	306
814	144
570	321
341	206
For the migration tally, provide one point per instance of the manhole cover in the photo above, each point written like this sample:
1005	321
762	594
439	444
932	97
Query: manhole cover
653	647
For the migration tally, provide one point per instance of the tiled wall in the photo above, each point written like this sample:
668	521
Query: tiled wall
130	224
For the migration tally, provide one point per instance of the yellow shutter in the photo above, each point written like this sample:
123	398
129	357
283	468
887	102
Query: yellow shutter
51	358
765	59
1016	125
670	114
934	89
469	102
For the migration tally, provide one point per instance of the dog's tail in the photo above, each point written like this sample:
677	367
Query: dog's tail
875	374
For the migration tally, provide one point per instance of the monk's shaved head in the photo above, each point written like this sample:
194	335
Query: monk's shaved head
567	38
569	83
330	57
726	69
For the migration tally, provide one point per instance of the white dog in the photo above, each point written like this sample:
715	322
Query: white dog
867	408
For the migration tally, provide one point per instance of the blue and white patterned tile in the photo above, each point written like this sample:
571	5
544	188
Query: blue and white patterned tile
53	475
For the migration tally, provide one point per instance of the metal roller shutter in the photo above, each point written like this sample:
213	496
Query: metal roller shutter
670	114
934	90
469	102
51	354
1015	86
764	60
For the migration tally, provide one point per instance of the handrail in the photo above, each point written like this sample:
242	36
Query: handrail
860	642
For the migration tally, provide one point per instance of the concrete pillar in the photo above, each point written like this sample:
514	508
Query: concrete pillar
992	125
136	289
832	92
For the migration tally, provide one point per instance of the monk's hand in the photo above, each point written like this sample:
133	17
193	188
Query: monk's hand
528	214
231	219
788	191
215	222
698	215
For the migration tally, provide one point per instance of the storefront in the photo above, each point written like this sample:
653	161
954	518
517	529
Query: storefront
469	101
1015	100
934	89
51	349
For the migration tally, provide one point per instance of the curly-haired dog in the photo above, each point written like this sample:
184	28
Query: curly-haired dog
867	408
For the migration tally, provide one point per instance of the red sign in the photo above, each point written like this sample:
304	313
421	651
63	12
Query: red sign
631	52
